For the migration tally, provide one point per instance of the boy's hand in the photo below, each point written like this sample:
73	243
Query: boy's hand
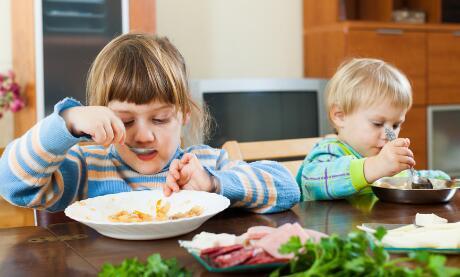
99	122
394	157
189	174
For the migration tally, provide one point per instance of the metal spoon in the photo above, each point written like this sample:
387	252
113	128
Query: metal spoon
417	181
140	151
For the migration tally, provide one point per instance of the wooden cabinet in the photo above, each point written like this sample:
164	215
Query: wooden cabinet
443	67
429	54
414	128
404	49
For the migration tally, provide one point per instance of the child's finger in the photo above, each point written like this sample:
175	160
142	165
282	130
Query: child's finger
174	169
186	158
99	135
410	162
109	133
404	151
171	183
166	190
400	142
119	131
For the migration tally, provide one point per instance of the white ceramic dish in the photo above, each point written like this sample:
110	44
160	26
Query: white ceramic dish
95	213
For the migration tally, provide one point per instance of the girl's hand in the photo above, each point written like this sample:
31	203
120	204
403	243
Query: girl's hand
394	157
99	122
189	174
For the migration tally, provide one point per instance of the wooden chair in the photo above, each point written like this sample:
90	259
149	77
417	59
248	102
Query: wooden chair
289	152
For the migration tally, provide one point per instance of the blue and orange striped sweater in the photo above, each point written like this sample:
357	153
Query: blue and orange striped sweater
47	169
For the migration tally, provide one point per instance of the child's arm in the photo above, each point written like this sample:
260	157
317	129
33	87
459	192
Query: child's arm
35	167
262	187
328	173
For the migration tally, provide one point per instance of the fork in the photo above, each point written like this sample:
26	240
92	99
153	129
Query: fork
417	181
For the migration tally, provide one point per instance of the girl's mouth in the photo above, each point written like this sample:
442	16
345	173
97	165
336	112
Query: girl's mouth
141	151
144	154
147	156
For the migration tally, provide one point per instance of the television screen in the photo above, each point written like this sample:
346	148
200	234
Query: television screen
262	115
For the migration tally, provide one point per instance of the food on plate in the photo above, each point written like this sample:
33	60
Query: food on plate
258	245
428	219
163	211
429	231
127	217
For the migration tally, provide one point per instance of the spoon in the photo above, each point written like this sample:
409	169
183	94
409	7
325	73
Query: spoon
417	181
140	150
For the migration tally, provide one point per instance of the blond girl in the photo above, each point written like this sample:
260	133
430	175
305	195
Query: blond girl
139	104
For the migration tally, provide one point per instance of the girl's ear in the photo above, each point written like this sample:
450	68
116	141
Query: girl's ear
186	119
337	116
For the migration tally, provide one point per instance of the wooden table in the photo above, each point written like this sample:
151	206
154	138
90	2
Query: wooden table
72	249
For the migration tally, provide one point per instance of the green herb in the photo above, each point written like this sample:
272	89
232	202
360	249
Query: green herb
154	267
357	255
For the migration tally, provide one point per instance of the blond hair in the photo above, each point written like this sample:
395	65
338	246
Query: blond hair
365	82
140	68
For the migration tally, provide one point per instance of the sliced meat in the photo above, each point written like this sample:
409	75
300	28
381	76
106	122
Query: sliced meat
315	235
219	250
233	258
264	258
258	232
272	242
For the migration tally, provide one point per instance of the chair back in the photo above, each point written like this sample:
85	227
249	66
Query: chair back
289	152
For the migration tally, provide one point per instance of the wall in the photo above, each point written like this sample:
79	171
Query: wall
238	38
6	122
218	38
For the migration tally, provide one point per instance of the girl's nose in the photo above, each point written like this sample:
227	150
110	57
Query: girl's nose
144	135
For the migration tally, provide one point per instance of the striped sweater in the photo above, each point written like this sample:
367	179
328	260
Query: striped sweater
334	170
47	169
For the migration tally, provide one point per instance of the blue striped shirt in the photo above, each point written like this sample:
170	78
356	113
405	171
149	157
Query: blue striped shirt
47	169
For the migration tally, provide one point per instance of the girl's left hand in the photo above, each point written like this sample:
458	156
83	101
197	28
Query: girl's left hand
187	173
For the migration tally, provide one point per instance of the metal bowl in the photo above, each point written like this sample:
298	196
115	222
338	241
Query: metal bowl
398	190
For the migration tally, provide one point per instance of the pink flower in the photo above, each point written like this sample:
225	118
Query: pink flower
16	105
10	94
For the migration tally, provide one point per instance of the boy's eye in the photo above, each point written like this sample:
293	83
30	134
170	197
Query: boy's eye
378	124
396	126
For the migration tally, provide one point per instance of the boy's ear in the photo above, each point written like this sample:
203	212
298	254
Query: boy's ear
337	116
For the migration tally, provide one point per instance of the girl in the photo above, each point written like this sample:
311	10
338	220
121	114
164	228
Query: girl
139	104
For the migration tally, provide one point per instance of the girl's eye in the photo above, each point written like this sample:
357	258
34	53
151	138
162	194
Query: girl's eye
160	120
396	126
128	123
377	124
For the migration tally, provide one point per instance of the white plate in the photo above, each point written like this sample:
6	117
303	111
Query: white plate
95	213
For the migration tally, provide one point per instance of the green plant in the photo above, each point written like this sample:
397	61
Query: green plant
357	255
155	266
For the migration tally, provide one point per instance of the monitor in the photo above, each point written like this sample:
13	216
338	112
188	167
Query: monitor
263	109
